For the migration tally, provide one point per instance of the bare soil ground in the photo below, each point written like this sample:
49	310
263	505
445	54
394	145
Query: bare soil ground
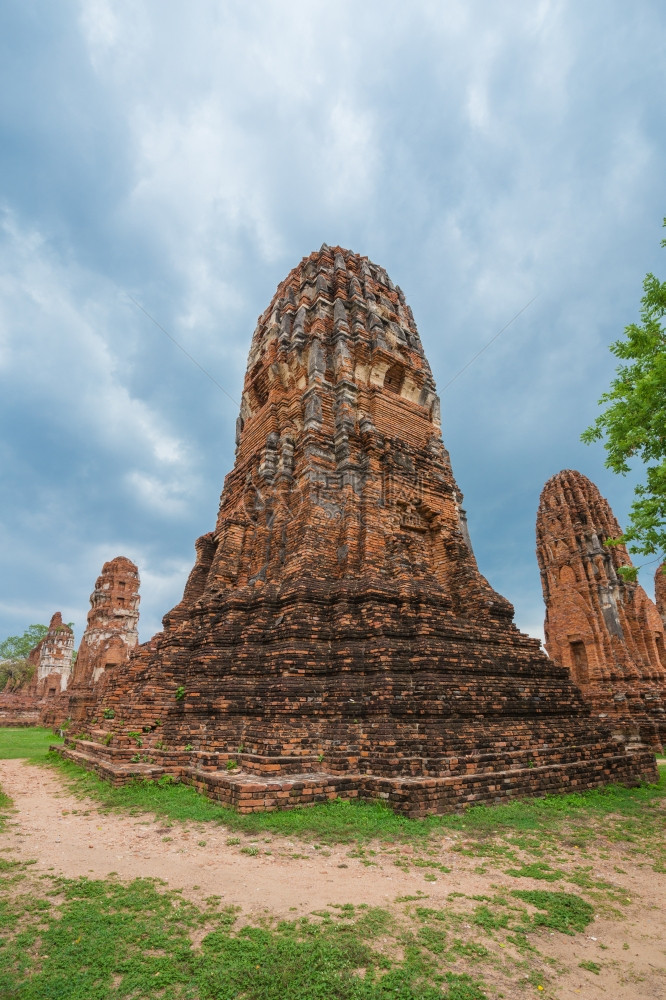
71	837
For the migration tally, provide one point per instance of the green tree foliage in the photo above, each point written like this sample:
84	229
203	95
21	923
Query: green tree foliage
633	422
14	651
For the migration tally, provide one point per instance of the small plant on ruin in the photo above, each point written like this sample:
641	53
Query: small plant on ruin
158	722
109	713
160	745
188	746
320	757
107	739
147	729
241	748
232	765
136	737
180	693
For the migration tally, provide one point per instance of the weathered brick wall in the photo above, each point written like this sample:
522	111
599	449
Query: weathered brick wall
602	628
335	625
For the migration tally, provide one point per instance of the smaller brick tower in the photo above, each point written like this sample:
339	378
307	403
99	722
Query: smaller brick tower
51	659
603	628
110	636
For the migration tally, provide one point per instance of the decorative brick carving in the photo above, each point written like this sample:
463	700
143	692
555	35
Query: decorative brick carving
602	628
110	636
336	637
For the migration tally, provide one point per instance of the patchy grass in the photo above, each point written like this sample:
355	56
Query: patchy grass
30	742
91	940
538	870
563	911
5	805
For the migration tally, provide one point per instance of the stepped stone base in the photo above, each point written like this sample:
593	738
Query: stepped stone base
263	784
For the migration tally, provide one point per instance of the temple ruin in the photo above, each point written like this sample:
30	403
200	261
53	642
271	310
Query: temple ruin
51	660
110	636
602	628
335	637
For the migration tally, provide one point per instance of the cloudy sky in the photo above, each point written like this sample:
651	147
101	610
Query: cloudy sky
187	156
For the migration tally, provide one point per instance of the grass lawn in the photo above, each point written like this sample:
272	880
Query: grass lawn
28	741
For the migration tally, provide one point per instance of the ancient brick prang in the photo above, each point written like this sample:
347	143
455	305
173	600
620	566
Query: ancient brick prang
52	662
336	637
110	636
602	628
660	591
53	657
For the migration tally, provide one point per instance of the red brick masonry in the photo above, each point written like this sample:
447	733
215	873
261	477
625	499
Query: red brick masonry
335	637
603	629
660	591
52	662
110	636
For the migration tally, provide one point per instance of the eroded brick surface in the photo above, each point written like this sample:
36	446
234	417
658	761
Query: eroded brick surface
660	591
336	637
602	628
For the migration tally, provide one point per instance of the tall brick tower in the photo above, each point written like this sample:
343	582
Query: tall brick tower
602	628
335	636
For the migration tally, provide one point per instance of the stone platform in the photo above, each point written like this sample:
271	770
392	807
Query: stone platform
259	784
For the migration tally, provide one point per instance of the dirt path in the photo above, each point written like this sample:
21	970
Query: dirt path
71	837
